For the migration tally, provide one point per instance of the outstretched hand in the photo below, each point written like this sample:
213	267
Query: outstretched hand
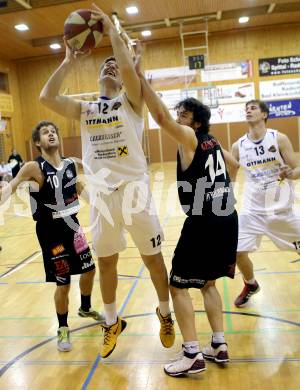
98	14
72	55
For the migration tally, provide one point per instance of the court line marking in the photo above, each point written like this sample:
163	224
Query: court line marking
13	361
98	358
228	319
20	265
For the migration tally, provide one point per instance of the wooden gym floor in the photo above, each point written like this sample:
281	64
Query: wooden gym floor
263	339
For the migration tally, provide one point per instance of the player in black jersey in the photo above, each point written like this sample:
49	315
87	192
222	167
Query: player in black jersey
206	249
54	204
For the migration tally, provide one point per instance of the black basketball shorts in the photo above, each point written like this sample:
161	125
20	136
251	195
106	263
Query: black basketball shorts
206	250
65	250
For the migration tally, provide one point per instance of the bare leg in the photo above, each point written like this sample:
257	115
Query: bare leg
108	277
61	299
245	265
158	273
184	313
86	282
213	306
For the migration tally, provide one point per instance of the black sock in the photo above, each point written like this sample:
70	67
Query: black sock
62	319
85	302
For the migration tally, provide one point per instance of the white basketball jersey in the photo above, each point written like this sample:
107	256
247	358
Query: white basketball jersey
263	192
111	135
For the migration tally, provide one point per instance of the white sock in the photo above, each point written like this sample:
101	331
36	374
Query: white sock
191	346
218	337
164	308
110	313
250	281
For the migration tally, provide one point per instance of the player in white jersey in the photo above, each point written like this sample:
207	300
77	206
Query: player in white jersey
113	158
270	164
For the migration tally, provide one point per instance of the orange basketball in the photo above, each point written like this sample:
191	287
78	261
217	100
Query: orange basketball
82	33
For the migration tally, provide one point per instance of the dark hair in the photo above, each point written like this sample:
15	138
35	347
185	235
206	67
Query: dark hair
111	58
262	105
36	131
201	112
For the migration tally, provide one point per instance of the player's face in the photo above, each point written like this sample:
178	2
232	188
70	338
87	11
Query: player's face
185	117
110	71
254	113
48	138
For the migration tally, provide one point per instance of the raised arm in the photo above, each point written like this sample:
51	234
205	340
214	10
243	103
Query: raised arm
124	60
50	95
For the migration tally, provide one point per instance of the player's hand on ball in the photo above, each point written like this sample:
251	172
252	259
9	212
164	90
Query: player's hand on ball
98	14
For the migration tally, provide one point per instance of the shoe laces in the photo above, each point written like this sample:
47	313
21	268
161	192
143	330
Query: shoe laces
167	324
63	335
108	330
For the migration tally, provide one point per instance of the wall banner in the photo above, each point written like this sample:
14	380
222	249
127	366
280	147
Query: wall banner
279	65
228	113
279	89
233	93
284	108
229	71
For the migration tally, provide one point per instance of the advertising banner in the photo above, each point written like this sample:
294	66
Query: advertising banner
279	65
229	71
279	89
284	108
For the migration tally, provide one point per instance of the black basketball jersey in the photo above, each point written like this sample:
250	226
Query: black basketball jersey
204	188
58	197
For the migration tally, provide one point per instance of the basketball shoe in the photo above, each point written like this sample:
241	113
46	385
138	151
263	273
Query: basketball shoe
246	294
91	313
216	352
186	363
166	333
63	339
111	333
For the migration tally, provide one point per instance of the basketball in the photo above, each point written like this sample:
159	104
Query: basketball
81	32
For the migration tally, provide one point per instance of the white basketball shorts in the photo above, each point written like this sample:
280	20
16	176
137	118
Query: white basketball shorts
128	208
282	228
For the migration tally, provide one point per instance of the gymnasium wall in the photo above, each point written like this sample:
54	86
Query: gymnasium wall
13	135
223	47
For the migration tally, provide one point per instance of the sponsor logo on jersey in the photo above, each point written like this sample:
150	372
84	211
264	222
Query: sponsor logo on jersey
210	144
116	106
272	149
97	121
104	137
58	249
261	162
69	174
122	151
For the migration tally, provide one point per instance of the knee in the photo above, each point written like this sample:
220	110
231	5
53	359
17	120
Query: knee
176	292
241	256
152	261
63	291
106	265
211	284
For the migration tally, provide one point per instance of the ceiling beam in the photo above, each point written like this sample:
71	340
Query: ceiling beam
271	8
24	3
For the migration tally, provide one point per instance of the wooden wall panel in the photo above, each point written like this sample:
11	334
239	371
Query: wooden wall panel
16	122
220	132
224	47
